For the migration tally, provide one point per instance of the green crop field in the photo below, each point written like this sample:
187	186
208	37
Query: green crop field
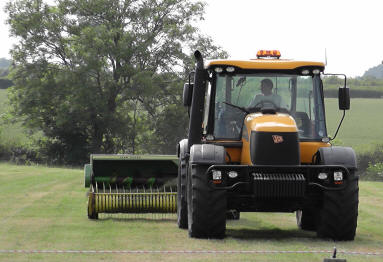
45	209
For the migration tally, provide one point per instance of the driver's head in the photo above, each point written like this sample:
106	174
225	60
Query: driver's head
266	86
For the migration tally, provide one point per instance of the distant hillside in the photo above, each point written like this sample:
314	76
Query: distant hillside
376	71
4	71
4	63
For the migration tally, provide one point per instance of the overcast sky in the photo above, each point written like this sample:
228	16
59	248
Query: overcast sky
350	31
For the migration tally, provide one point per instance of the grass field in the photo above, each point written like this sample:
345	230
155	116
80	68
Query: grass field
362	126
45	209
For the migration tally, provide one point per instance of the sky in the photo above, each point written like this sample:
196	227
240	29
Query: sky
350	31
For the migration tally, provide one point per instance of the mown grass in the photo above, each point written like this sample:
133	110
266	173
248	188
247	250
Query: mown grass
45	209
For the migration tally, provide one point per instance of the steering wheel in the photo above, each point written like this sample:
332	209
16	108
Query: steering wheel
261	105
230	118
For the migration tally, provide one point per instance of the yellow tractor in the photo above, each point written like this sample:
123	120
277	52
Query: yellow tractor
257	142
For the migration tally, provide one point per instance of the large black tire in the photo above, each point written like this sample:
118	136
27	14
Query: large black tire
307	219
339	214
182	212
206	206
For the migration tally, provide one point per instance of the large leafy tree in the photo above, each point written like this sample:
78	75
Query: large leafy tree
104	76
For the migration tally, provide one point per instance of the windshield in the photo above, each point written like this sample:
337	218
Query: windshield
237	95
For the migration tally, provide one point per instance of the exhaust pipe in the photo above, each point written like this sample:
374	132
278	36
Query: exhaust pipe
196	112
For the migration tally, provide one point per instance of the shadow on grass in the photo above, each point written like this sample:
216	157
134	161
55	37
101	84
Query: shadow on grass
269	233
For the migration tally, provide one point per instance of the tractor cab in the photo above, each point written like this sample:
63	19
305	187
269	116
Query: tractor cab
238	92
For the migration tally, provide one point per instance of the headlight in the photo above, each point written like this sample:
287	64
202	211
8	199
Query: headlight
338	176
322	176
217	174
230	69
218	69
233	174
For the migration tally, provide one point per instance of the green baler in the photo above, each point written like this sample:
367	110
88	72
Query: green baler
123	183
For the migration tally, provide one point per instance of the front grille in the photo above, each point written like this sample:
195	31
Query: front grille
276	186
284	150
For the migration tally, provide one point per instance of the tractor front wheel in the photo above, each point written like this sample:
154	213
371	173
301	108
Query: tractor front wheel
206	206
339	214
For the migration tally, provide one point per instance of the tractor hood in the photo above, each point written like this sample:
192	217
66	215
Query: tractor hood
278	122
270	139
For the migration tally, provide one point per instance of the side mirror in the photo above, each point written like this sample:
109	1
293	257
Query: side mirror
344	98
188	94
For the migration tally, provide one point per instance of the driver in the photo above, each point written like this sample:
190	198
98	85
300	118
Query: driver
267	94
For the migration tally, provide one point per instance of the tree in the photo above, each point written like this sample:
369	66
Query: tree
98	75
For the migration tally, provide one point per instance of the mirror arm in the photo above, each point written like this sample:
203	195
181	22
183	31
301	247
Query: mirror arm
340	123
330	74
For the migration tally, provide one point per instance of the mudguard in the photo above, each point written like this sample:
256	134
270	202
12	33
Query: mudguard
182	148
207	154
337	155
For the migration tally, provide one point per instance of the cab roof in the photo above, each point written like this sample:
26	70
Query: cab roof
273	64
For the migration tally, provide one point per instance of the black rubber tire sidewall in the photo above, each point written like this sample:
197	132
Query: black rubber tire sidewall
339	214
182	213
206	206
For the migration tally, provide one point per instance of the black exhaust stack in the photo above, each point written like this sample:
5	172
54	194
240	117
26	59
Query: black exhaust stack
196	112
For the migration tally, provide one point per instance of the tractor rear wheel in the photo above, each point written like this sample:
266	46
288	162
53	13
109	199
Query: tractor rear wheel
206	206
182	212
339	214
